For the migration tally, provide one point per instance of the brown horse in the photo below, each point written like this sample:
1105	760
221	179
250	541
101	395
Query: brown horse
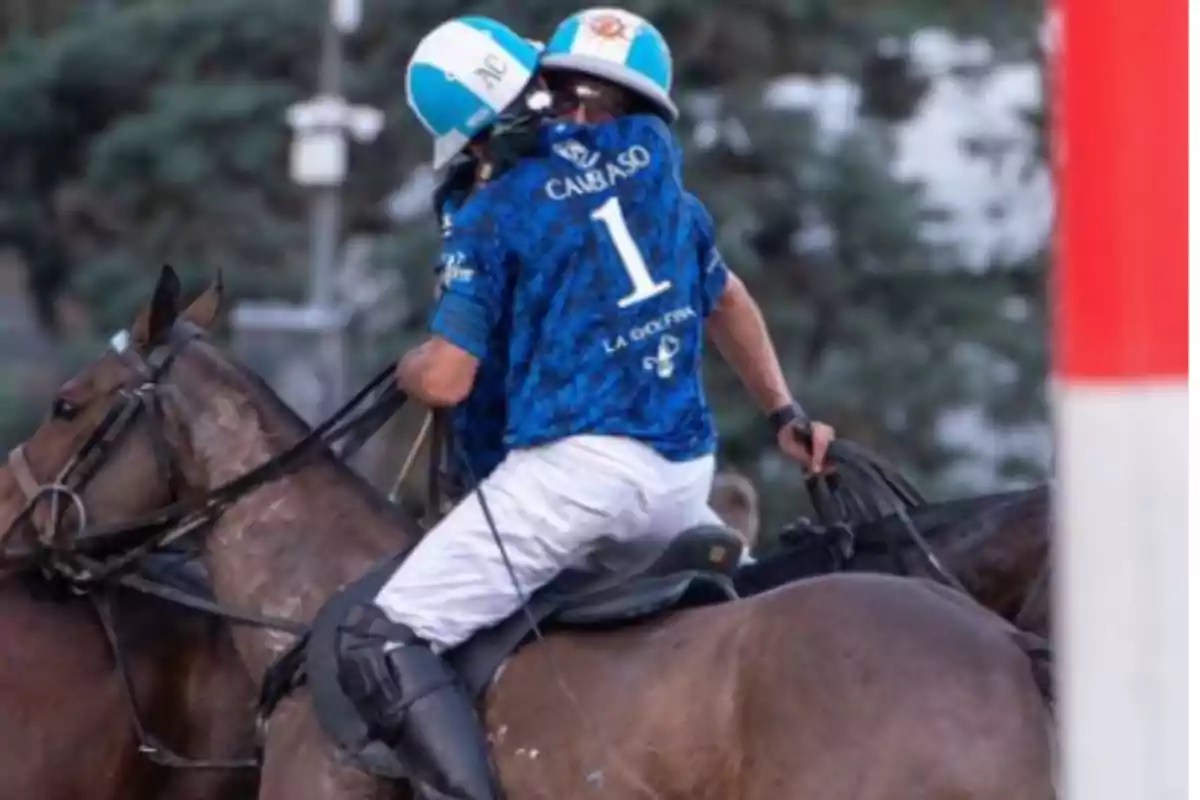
65	725
781	695
997	546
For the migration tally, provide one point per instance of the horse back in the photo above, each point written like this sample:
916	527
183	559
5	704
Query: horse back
771	696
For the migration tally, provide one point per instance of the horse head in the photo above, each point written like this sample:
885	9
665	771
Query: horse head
109	448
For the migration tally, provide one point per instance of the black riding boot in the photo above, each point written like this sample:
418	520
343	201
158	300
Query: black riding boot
417	706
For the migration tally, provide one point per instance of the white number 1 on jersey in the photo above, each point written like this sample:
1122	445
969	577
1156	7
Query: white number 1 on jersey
644	287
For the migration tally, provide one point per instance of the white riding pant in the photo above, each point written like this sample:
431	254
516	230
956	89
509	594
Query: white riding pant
585	502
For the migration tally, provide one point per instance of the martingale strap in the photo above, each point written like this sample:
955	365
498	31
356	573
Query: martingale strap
150	745
232	616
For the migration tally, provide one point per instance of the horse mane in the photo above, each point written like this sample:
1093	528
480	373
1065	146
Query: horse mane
967	532
982	534
281	422
997	511
966	522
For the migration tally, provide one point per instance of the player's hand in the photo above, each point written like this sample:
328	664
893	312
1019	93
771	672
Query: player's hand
793	440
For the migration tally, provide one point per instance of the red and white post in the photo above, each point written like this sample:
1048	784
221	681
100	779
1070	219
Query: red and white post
1121	291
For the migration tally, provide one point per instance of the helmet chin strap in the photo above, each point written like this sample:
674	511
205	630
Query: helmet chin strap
514	134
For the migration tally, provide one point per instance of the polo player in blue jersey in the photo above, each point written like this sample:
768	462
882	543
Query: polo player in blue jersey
478	422
583	241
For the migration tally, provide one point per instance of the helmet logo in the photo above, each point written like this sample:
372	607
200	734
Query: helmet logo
609	27
492	70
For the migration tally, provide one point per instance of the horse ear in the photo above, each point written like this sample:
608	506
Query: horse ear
205	309
153	324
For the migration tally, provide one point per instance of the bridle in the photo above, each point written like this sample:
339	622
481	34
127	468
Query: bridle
34	492
71	481
180	517
69	556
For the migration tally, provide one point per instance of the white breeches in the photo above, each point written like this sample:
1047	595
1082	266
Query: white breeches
596	502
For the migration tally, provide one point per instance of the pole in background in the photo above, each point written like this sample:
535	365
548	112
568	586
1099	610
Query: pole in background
318	161
1121	353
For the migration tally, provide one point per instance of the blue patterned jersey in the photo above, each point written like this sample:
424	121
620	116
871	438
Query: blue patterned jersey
716	272
478	422
607	265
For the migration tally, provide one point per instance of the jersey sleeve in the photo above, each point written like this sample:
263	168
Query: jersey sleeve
714	273
472	296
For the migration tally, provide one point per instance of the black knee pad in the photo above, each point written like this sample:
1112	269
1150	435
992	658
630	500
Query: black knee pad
366	638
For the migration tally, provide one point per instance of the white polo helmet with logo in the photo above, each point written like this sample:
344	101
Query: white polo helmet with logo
618	46
462	77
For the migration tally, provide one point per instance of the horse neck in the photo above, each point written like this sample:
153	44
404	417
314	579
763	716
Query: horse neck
1001	548
285	547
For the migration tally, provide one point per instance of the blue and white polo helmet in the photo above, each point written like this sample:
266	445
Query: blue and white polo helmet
463	75
618	46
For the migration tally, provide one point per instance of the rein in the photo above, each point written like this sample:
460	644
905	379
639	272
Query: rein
63	555
861	477
172	523
180	518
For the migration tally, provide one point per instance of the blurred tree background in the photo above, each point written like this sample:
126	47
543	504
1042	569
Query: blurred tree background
876	167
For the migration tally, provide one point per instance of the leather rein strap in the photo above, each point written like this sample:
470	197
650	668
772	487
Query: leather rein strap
860	478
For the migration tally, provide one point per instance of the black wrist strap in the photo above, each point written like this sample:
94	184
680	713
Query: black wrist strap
786	415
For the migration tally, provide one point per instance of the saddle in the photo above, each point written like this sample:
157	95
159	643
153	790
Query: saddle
695	570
